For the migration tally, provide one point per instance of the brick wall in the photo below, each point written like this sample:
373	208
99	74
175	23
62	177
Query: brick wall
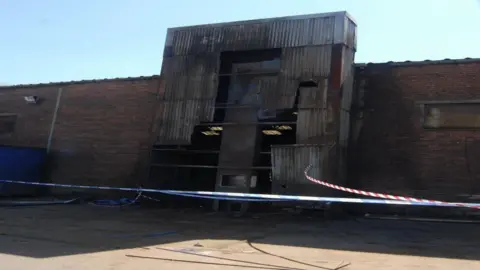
394	153
102	130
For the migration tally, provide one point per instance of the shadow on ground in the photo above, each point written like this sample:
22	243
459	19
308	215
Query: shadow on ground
51	231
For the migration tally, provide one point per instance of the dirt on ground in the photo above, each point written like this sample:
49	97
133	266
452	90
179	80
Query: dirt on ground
93	237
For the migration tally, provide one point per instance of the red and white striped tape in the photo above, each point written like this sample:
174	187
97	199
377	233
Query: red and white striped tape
381	195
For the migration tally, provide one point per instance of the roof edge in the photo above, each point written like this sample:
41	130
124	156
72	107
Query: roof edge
139	78
264	20
446	61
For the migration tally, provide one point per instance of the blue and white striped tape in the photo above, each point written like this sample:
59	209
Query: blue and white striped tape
241	196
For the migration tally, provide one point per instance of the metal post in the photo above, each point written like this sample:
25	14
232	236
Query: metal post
54	119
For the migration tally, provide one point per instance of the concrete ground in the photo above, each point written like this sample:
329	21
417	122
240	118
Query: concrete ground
92	237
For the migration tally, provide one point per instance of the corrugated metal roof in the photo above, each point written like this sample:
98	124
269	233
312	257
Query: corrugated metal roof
79	82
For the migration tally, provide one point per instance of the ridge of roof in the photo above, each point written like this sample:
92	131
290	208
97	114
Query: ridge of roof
445	61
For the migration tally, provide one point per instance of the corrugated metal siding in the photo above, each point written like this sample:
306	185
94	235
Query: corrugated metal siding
192	65
344	128
191	75
312	113
348	62
271	94
306	62
183	87
180	117
286	92
351	40
347	95
175	127
322	30
189	96
294	33
245	37
289	163
281	33
298	64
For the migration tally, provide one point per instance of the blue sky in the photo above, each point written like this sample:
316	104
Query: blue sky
60	40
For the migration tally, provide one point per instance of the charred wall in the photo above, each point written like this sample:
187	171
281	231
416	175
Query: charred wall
212	70
400	150
312	47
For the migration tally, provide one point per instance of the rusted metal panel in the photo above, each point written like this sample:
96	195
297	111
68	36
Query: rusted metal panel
304	63
312	113
289	163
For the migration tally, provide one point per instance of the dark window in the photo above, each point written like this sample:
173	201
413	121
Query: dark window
7	123
234	181
451	115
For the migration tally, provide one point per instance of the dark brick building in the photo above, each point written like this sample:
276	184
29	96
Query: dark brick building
419	128
101	133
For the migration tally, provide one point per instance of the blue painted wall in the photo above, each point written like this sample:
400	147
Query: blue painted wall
21	164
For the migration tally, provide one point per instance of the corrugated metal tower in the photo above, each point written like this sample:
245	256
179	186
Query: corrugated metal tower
249	81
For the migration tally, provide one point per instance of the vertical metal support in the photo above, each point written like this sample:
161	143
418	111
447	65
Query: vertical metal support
54	119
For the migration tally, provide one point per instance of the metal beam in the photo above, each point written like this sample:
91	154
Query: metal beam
210	166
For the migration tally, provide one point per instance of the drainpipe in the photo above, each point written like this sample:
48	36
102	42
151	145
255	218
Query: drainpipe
54	119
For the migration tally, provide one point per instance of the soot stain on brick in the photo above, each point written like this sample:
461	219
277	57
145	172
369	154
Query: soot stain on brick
380	162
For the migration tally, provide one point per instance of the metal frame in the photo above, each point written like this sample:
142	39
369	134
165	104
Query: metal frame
210	166
267	73
423	104
246	123
198	151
